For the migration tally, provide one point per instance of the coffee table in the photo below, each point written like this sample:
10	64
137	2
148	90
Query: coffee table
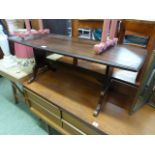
124	57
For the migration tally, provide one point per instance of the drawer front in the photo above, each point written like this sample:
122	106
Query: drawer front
45	114
42	102
78	124
71	129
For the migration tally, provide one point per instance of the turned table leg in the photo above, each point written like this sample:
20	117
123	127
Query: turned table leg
102	95
106	85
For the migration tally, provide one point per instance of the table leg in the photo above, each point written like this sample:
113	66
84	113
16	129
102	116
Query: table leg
34	74
102	95
75	61
40	62
14	92
109	71
15	88
40	57
106	85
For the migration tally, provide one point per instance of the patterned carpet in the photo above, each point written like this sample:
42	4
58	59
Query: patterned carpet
16	119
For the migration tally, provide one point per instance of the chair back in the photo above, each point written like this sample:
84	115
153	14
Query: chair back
139	28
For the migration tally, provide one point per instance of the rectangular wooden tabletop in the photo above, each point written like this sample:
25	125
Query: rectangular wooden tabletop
122	56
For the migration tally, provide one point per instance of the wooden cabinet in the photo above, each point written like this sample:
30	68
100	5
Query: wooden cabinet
44	113
66	100
34	98
77	123
71	129
43	109
56	117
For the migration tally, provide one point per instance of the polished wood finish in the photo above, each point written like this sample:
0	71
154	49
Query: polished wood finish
72	130
139	28
42	110
42	102
78	124
123	56
132	27
56	124
78	99
84	23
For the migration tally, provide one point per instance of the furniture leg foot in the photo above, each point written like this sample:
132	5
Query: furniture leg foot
31	79
102	94
98	108
99	105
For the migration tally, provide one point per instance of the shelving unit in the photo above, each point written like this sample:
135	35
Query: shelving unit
84	33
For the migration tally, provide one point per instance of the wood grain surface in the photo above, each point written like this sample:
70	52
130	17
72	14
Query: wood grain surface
122	56
78	96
